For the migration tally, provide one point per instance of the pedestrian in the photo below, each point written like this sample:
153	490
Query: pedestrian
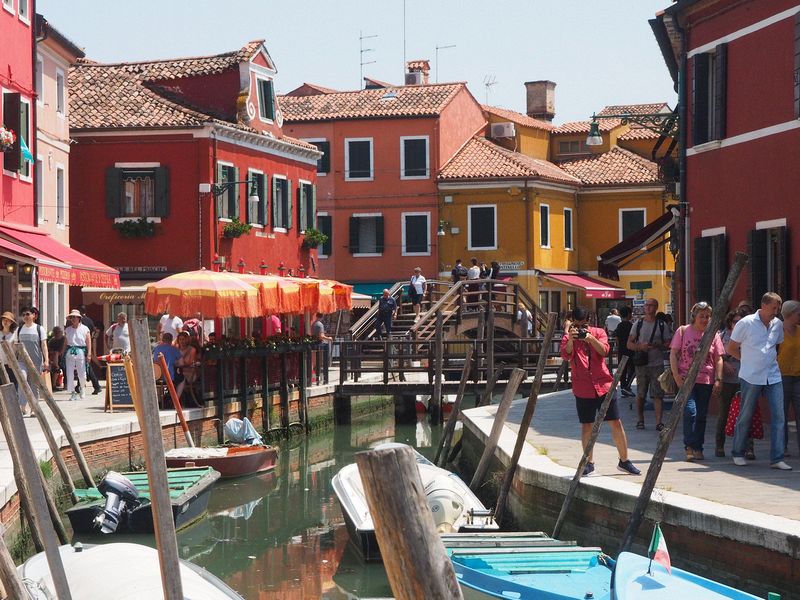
754	342
33	338
186	366
56	349
473	289
79	351
118	335
525	320
459	272
387	307
169	323
170	352
416	290
730	384
648	339
789	363
612	322
685	344
622	332
194	327
87	321
318	331
586	347
8	325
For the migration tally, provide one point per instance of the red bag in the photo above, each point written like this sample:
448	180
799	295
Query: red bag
756	424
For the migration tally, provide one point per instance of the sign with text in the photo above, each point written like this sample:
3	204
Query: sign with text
118	392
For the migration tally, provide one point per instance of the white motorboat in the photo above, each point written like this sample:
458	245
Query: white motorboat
122	570
453	505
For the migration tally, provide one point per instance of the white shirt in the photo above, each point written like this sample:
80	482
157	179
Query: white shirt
76	336
171	326
759	349
612	321
418	281
120	336
474	272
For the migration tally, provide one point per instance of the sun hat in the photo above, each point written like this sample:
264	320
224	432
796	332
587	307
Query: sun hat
74	313
8	315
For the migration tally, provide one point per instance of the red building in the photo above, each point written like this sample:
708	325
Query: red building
741	140
383	148
172	155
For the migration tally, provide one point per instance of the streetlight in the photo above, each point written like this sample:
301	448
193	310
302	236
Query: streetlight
594	139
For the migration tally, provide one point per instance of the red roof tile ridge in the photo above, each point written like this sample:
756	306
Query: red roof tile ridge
633	109
231	53
518	117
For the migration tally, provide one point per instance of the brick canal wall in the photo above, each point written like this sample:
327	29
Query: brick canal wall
742	548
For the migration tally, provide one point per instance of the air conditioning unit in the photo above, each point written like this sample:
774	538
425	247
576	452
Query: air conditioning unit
414	78
503	130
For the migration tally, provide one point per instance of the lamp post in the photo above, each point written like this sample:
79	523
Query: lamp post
281	269
263	267
241	264
218	262
217	189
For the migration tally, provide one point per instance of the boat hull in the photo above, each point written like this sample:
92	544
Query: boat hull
239	462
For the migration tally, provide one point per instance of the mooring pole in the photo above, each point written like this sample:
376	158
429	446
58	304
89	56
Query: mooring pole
447	437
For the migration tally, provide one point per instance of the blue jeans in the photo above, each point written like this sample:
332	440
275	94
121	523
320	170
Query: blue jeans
383	322
773	392
695	414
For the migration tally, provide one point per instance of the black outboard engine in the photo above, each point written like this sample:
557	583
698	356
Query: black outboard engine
120	495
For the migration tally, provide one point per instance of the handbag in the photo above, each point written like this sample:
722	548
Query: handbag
642	357
667	382
756	424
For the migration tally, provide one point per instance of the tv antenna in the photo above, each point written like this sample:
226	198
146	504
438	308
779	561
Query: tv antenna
362	51
437	58
488	82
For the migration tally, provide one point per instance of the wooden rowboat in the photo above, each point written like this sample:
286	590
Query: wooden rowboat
229	461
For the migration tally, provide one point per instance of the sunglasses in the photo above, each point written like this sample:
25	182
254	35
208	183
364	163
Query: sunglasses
27	314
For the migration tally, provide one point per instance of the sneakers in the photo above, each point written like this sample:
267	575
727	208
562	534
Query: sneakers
689	454
740	461
698	455
588	469
782	466
73	397
750	455
83	395
627	393
627	466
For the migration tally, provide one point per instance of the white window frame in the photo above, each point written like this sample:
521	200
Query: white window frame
642	209
300	198
9	6
427	232
249	173
39	80
330	153
368	216
347	159
403	139
549	229
319	250
61	93
39	166
258	99
288	191
223	163
568	219
24	18
62	168
469	226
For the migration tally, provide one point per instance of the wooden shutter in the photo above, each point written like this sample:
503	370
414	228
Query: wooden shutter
700	99
301	207
797	66
263	196
759	281
781	261
720	90
719	252
312	222
221	197
113	192
702	269
162	192
269	100
289	208
11	120
354	231
276	203
233	194
379	235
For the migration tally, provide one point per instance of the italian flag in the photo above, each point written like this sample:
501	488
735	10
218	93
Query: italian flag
658	549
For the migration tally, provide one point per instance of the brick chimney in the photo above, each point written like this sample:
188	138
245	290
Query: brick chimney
417	66
541	99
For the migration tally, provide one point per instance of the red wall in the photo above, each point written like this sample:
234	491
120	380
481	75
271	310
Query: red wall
214	92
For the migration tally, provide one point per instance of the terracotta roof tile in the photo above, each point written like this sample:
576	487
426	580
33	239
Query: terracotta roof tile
310	89
639	133
615	167
635	109
421	65
573	127
481	159
399	101
516	117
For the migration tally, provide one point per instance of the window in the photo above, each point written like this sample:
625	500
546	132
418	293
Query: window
266	101
366	235
324	162
16	116
60	192
710	267
39	80
769	262
544	225
416	234
631	220
281	203
709	95
61	93
414	158
39	191
307	205
228	200
568	229
257	214
135	192
482	225
573	147
9	5
24	10
358	159
325	225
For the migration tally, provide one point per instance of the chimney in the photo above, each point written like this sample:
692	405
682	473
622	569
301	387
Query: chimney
417	72
541	99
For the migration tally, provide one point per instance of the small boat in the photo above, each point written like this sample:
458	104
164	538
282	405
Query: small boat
453	505
635	577
229	461
122	502
121	570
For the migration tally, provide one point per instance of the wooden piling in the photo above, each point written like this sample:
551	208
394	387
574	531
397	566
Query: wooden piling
490	339
9	576
527	417
415	559
284	392
490	385
447	436
676	412
435	405
517	375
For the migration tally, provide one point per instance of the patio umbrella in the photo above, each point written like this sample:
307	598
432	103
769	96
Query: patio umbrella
342	293
213	294
276	294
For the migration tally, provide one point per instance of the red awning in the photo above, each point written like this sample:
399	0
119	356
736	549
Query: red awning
608	263
59	263
592	287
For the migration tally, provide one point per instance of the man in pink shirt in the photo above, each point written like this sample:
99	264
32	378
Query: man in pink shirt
585	348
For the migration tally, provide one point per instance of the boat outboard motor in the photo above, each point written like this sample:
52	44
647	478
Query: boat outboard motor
120	494
445	502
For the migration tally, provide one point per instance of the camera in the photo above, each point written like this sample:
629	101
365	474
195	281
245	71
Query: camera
582	333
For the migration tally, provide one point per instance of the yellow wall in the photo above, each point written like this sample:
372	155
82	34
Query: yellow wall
529	141
644	148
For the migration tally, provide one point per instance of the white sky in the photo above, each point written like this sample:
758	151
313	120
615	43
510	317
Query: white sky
598	52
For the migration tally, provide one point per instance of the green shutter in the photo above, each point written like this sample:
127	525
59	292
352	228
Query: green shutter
301	207
313	220
233	194
11	115
269	101
700	98
162	192
289	207
220	197
702	269
113	193
354	234
781	262
759	276
719	248
24	133
379	235
263	196
720	90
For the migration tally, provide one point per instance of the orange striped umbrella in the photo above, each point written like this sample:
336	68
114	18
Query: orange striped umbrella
211	293
276	294
342	293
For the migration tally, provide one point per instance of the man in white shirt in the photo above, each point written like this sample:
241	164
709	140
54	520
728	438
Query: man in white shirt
171	324
118	335
612	320
474	272
754	341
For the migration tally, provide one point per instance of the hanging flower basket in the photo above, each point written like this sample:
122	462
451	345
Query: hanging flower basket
7	139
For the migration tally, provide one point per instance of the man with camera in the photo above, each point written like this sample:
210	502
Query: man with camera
585	348
648	339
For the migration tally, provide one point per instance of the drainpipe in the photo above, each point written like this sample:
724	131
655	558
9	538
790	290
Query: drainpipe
214	198
682	140
528	243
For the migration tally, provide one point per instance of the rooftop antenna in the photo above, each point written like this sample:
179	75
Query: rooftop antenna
488	82
437	58
404	39
362	51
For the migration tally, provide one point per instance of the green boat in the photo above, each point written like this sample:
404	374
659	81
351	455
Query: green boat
189	491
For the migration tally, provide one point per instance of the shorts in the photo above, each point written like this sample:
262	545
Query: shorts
588	407
415	298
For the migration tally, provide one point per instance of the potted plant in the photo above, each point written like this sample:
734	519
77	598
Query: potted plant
236	228
313	238
7	139
136	228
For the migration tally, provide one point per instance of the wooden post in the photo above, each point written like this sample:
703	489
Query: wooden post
490	385
219	401
14	426
480	335
146	401
490	340
24	388
284	392
414	557
436	402
265	397
676	413
304	370
175	400
447	437
387	350
9	576
517	375
598	422
527	417
243	387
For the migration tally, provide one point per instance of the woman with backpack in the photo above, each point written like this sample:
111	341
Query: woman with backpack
33	338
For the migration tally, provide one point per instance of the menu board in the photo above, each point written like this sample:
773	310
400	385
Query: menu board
118	393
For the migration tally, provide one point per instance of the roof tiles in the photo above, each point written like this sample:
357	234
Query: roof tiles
615	167
575	127
516	117
635	109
